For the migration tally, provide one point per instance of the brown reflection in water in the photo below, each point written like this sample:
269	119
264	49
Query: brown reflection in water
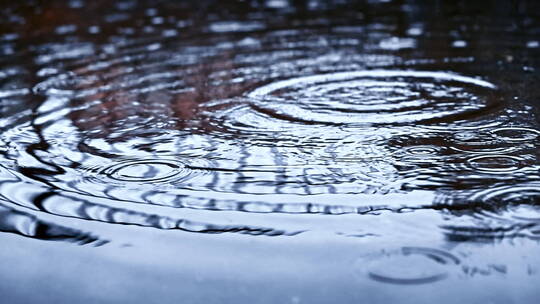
443	24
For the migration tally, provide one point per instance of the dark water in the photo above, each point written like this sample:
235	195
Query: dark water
269	152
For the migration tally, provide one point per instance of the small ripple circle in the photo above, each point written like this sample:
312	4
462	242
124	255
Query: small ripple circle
515	134
411	266
149	170
495	163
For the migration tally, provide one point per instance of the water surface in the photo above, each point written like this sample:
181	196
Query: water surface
269	152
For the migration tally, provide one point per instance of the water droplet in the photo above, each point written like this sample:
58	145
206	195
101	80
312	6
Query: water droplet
66	29
459	44
277	3
396	43
94	29
414	31
533	44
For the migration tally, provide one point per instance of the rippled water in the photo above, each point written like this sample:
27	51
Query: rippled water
345	152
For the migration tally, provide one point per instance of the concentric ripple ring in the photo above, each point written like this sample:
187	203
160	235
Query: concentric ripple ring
144	170
375	97
411	266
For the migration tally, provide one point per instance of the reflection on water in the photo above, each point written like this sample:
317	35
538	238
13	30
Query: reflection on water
409	129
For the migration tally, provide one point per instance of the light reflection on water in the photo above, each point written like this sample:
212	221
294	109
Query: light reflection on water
372	146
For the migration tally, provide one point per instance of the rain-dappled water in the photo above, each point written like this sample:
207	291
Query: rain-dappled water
269	152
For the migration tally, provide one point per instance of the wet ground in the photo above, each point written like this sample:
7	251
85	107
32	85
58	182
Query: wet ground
269	152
